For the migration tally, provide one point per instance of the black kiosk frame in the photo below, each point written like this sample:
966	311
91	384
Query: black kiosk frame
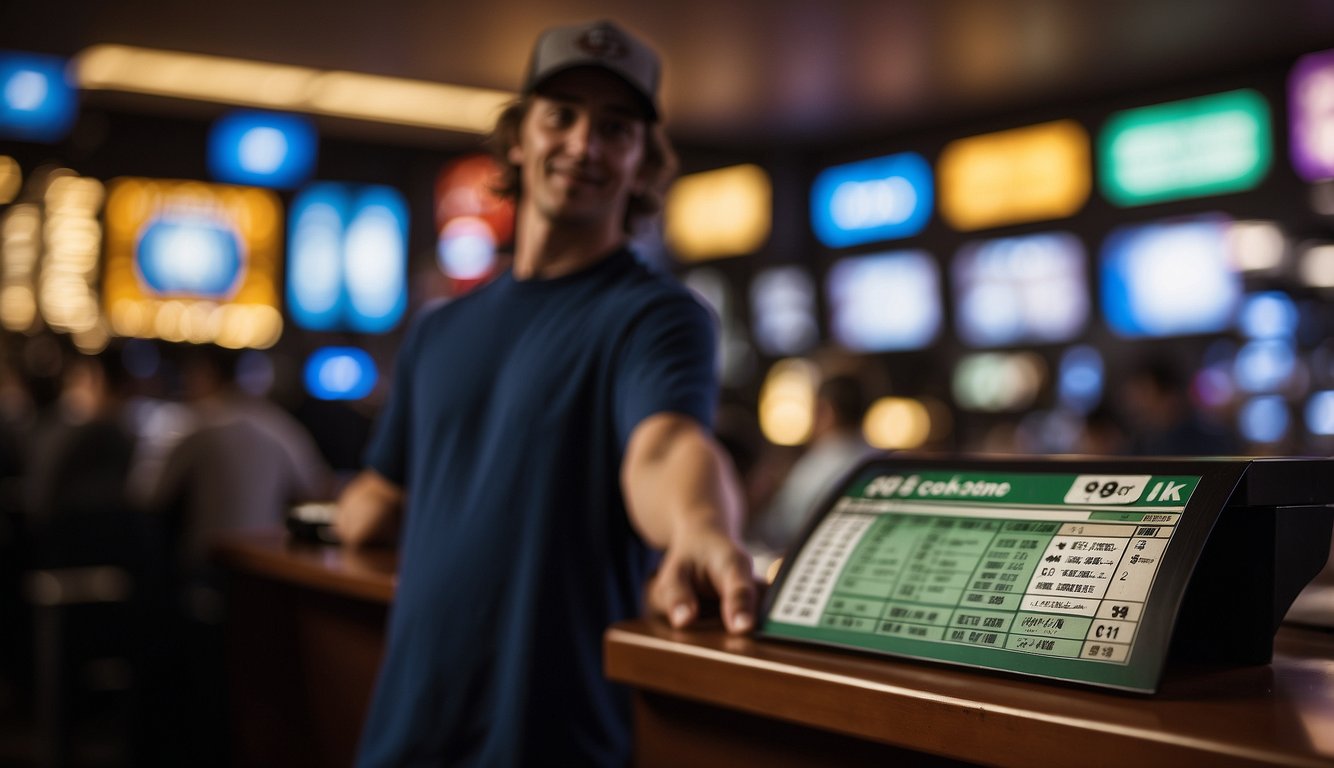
1089	571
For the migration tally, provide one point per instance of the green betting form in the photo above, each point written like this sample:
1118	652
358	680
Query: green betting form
1042	573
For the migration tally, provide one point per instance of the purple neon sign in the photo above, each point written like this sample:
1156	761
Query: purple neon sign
1311	109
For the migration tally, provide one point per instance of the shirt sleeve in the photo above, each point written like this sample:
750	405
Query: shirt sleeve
667	365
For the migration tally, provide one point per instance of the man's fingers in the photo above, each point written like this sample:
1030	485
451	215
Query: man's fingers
673	596
736	589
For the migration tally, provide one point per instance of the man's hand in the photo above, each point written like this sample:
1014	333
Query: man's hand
369	510
704	563
683	497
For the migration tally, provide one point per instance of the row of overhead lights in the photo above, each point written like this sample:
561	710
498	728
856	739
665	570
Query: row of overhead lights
287	88
39	93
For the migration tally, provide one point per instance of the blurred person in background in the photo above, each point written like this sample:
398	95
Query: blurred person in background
78	464
545	434
1102	434
81	530
836	446
243	463
16	411
1156	408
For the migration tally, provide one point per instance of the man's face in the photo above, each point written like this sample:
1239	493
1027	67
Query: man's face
581	148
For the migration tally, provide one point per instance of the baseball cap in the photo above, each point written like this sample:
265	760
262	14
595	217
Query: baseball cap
599	44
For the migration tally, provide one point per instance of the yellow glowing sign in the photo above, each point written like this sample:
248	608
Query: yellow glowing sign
719	213
196	262
72	239
11	178
787	401
894	423
20	246
1034	173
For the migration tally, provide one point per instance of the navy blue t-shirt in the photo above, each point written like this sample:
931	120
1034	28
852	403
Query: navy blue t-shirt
510	412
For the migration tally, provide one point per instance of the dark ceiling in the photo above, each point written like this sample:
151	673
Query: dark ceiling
744	71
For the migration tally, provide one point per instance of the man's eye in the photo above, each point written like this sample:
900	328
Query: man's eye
561	116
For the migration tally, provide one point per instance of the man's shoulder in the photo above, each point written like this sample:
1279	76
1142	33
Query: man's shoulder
653	288
440	311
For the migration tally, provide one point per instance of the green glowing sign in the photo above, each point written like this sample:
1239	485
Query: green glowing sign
1210	145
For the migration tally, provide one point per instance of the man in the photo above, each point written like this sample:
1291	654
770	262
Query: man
1155	401
545	433
836	446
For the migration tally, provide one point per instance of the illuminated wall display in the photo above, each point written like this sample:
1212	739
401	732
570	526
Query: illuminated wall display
1209	145
471	220
998	381
1020	290
872	200
1320	413
20	246
719	213
347	261
340	373
1311	116
787	401
1257	246
1316	265
265	149
1264	419
189	261
1265	365
897	423
38	102
885	302
1169	279
11	179
1033	173
214	264
1080	378
782	302
72	240
1268	315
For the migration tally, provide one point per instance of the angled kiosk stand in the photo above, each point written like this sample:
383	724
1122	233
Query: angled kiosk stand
953	581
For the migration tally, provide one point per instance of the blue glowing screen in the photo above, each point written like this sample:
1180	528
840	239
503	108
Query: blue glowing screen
1268	315
266	149
1169	279
1265	365
347	260
38	101
340	373
880	199
1320	413
189	256
1264	419
1080	380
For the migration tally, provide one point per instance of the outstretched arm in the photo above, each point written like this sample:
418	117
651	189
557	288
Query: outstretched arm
369	510
683	497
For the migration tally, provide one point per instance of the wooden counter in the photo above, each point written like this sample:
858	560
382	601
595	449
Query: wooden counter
305	635
361	574
709	699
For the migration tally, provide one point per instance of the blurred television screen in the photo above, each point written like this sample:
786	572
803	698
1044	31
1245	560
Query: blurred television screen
885	302
1016	290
